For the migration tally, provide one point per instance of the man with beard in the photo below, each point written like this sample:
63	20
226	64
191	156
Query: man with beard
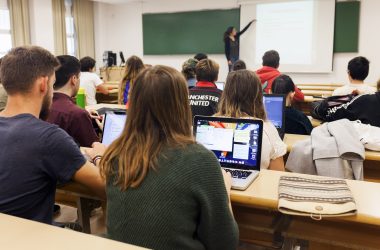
35	155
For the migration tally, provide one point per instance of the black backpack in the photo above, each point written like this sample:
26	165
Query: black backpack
320	109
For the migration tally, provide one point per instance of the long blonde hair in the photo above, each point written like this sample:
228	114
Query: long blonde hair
158	117
242	96
133	67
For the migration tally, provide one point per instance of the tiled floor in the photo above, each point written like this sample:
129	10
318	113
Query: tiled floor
69	214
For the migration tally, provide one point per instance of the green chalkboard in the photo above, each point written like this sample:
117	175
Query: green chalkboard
346	35
187	32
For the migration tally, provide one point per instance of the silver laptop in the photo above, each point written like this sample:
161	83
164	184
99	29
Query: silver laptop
235	142
114	123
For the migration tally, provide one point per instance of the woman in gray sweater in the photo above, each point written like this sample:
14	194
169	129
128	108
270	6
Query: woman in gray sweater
164	191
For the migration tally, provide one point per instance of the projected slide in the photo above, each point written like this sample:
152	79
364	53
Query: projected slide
287	27
302	31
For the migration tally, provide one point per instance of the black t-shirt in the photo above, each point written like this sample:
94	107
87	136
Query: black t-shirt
204	100
34	156
297	122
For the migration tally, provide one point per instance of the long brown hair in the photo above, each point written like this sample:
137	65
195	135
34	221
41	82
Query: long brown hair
242	96
158	117
133	67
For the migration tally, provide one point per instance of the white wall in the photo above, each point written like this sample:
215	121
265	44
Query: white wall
41	23
119	28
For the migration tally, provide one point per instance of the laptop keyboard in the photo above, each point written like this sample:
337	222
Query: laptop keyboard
240	174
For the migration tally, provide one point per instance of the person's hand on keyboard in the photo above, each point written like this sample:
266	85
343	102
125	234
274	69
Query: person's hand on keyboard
227	181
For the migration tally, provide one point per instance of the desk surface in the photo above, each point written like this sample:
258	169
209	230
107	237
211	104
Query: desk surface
291	139
105	105
20	234
263	193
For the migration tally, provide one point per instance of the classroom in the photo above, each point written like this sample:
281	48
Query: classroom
178	124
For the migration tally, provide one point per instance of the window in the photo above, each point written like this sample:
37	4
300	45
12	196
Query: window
70	30
5	30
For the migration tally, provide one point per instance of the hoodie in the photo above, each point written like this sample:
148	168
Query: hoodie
267	76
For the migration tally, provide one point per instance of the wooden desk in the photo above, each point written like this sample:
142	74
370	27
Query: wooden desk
255	210
21	234
105	105
314	122
371	163
305	106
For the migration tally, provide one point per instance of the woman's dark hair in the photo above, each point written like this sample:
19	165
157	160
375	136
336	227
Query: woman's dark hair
228	32
239	64
200	56
87	63
283	84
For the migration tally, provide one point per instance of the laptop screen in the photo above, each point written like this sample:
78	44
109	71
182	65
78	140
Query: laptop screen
274	106
235	142
113	126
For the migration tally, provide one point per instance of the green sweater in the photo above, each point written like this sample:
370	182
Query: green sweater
181	205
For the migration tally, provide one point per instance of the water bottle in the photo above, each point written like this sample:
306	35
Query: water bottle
81	98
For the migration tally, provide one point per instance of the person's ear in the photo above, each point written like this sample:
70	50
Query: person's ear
43	84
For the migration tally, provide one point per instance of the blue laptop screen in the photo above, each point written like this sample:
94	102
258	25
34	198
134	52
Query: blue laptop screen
232	143
113	126
273	106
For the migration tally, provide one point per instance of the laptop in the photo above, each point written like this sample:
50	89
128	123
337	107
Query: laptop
235	142
275	109
114	123
220	85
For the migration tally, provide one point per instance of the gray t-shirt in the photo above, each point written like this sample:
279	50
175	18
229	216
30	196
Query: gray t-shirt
34	156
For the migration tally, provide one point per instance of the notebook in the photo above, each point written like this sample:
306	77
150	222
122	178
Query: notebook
114	123
275	109
235	142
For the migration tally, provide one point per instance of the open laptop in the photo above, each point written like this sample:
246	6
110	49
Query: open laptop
235	142
114	123
275	108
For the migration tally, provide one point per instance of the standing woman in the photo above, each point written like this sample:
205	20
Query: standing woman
133	67
231	43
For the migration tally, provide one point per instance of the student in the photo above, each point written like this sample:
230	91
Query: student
156	165
231	43
188	71
204	97
133	67
242	97
269	72
35	155
296	122
200	56
239	64
90	81
357	71
3	94
64	112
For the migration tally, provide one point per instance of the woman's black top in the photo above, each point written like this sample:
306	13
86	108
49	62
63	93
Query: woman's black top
231	48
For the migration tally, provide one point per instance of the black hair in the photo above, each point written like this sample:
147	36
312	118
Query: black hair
283	84
87	63
271	58
70	66
228	32
358	68
200	56
238	65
